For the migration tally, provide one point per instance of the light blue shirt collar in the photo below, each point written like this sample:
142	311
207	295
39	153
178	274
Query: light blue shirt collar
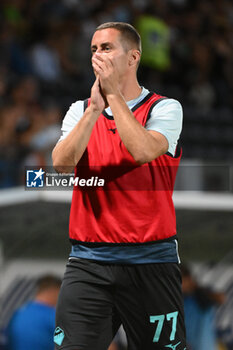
133	102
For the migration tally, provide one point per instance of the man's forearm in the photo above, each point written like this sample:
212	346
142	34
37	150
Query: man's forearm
68	152
140	143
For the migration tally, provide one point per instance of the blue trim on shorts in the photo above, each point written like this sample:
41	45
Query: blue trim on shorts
163	252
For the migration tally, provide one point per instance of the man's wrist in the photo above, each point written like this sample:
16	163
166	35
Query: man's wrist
94	111
114	97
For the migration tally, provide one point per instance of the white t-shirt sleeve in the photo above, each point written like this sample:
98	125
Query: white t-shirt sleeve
166	118
72	117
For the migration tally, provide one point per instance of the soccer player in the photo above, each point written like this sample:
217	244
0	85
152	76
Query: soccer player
32	325
123	266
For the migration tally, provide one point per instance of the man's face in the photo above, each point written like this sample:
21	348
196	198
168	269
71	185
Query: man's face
108	42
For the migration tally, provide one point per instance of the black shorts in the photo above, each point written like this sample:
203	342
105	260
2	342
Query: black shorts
95	298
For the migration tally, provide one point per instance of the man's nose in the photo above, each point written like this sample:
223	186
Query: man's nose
98	51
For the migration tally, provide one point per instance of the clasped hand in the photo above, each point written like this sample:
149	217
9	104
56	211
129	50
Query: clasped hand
107	80
105	68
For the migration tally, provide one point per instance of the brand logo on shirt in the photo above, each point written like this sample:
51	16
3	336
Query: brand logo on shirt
113	130
35	178
171	346
59	335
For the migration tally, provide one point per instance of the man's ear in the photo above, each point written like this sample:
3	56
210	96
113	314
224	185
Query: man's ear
134	57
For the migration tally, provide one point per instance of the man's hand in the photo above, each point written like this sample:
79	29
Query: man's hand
98	100
68	152
108	74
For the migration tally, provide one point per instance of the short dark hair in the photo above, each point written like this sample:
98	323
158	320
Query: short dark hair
128	33
48	281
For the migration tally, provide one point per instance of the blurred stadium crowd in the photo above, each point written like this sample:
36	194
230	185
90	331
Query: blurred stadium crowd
45	66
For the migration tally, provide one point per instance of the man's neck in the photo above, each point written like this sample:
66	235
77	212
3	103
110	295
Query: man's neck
130	91
46	298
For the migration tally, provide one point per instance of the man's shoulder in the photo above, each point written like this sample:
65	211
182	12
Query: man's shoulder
166	102
77	104
25	308
75	111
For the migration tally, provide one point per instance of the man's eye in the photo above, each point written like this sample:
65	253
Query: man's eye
107	48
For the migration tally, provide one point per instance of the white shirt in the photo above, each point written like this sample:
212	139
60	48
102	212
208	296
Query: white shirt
166	118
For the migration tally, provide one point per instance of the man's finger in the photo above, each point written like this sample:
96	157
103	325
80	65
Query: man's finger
97	64
96	69
96	83
99	56
103	58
